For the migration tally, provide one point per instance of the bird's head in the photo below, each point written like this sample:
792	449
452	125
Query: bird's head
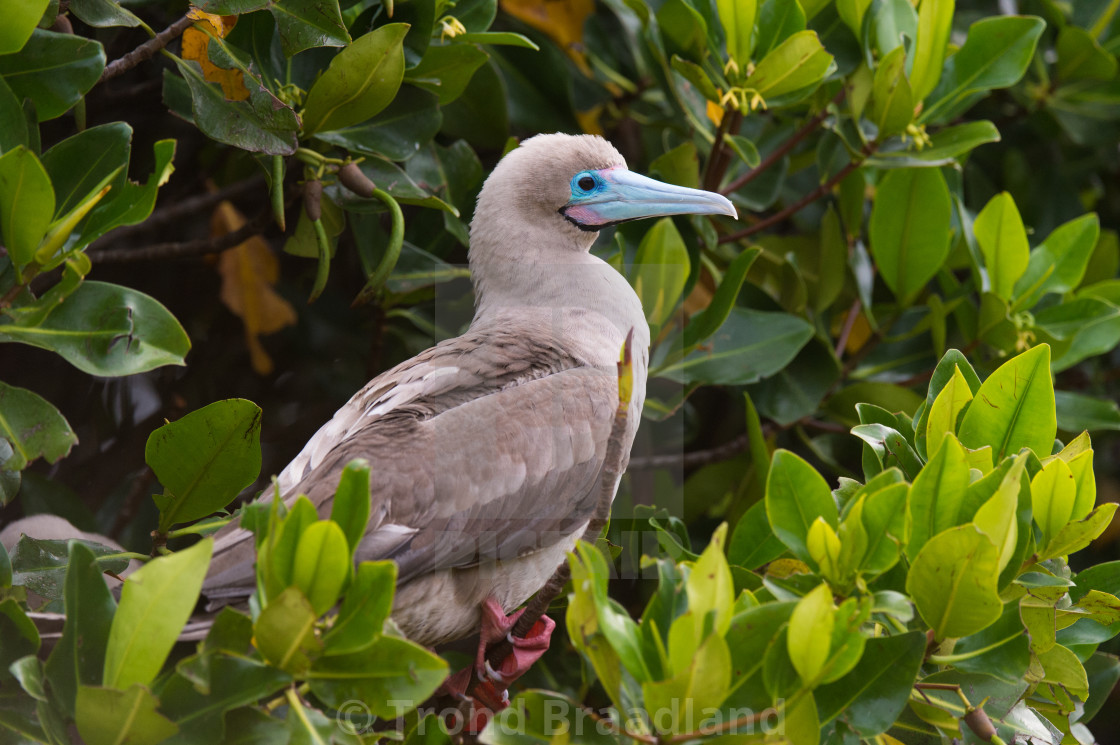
579	184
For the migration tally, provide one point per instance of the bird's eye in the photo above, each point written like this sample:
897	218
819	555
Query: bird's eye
586	183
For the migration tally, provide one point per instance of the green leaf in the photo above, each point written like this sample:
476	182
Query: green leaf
13	124
1091	327
303	24
234	681
322	564
1003	241
749	346
884	520
364	609
103	13
946	147
942	374
1081	57
910	229
796	495
532	718
107	330
1077	412
711	592
702	679
892	103
350	508
361	81
79	656
695	75
890	448
810	633
953	582
871	696
384	674
753	543
995	55
204	459
110	717
447	70
1062	668
777	21
851	12
1080	533
1002	649
935	22
285	632
79	165
278	552
20	19
261	124
1053	493
498	38
42	565
660	270
797	63
737	17
945	414
156	602
996	518
26	192
1058	264
130	203
54	70
34	428
398	132
1014	408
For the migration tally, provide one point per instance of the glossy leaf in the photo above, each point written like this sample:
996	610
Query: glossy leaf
1053	493
935	21
447	70
350	508
322	563
42	565
54	70
796	495
892	103
1076	411
1081	57
27	204
909	229
1014	408
798	62
1003	241
873	694
1080	533
74	175
260	124
1058	264
994	55
129	203
945	414
953	582
753	543
385	674
398	132
103	13
364	609
156	602
738	17
661	270
303	24
750	345
78	659
107	330
22	17
204	459
106	716
33	427
361	81
810	633
285	632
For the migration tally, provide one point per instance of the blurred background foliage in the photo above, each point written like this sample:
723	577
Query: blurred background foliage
910	178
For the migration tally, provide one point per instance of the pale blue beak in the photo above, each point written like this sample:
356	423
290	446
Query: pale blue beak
613	195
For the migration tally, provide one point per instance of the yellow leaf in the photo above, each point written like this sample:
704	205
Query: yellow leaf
715	113
561	20
589	120
249	271
195	47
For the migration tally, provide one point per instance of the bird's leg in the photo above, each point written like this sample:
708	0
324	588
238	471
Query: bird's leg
486	686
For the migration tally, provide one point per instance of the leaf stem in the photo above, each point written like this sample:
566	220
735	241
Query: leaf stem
297	707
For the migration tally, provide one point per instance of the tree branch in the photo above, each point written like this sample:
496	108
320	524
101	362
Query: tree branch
806	200
185	249
784	148
147	50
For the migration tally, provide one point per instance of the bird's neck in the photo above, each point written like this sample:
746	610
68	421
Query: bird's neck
534	269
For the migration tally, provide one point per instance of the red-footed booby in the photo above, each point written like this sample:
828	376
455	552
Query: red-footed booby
486	449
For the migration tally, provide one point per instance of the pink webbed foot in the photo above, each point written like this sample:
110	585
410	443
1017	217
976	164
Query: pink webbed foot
487	693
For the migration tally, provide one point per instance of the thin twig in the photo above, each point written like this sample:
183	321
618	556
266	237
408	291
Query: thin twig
729	449
179	210
779	152
147	50
846	329
724	727
185	249
800	204
719	158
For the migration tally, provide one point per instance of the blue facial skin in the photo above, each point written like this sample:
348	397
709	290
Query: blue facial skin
613	195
